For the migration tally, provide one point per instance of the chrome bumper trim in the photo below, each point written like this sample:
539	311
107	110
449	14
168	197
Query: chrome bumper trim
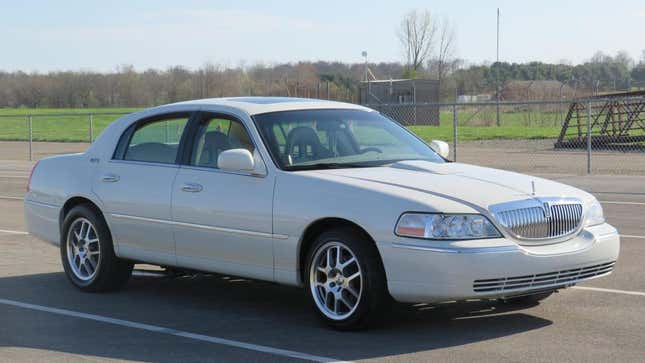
498	249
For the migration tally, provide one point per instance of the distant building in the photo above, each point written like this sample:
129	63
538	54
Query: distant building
484	97
401	99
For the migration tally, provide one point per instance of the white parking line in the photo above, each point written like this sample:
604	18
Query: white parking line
631	236
12	232
169	331
624	292
618	202
10	198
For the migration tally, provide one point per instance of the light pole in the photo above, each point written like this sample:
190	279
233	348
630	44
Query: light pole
364	54
367	82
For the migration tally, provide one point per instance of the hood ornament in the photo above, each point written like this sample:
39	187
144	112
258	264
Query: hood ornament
533	187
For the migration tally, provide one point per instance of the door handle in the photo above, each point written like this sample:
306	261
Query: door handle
110	178
192	187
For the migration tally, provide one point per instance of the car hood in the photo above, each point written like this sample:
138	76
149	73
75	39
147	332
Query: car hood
468	184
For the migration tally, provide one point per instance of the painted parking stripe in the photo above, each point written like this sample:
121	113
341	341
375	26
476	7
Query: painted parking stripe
624	292
169	331
13	232
631	236
618	202
10	197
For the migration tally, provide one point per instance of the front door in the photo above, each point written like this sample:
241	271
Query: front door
223	220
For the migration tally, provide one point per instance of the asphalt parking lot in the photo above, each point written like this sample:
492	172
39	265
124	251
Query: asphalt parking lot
220	318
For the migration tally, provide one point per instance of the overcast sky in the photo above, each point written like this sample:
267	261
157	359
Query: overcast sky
99	35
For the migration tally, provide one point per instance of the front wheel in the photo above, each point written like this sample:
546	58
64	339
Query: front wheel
87	253
346	280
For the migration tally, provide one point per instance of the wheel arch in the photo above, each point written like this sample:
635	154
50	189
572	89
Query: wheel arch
319	226
75	201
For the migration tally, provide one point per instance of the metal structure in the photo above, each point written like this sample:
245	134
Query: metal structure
616	122
405	95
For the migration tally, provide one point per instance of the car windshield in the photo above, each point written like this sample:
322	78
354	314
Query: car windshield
323	139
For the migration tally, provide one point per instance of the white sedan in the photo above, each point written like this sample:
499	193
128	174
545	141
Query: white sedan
333	197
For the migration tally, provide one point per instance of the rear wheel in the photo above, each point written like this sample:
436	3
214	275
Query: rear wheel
346	280
87	252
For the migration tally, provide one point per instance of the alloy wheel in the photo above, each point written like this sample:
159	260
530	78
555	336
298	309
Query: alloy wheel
336	280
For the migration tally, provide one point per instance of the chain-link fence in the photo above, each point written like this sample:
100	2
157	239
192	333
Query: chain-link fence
32	136
599	135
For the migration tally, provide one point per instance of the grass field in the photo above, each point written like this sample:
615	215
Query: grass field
473	125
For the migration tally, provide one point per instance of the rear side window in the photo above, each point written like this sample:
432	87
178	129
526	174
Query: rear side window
157	141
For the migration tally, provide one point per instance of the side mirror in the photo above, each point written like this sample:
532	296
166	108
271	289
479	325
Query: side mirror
441	148
236	160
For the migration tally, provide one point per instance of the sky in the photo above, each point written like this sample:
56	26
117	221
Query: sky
46	36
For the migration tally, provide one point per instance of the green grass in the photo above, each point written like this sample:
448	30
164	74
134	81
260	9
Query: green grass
66	128
472	125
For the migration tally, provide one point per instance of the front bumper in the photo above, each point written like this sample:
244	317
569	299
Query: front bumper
426	271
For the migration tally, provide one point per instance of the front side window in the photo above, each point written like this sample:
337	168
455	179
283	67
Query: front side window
316	139
157	141
216	135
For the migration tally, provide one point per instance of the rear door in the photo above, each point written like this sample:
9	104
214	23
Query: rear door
135	187
223	219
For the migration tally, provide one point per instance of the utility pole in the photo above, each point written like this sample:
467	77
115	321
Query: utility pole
497	71
365	56
367	81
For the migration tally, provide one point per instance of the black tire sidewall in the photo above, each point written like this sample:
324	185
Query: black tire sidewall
107	257
374	293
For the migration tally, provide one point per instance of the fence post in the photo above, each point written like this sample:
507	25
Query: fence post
328	91
31	136
454	131
588	137
91	128
414	100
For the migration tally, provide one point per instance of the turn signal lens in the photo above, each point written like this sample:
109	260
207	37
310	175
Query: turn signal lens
594	214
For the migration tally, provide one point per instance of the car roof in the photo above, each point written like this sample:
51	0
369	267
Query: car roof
258	105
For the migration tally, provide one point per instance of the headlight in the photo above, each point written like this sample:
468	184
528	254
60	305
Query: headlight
445	226
594	214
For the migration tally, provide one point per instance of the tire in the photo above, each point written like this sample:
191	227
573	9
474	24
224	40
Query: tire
529	300
360	282
86	242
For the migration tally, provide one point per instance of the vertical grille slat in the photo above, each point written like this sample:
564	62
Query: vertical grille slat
534	222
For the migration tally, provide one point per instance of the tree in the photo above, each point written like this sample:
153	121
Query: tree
416	33
445	55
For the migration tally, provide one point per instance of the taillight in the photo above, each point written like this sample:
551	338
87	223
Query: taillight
30	175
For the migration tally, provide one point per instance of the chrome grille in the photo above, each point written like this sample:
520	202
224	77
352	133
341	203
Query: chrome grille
540	219
529	282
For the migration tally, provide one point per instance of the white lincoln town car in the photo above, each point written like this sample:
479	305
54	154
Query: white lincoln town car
333	197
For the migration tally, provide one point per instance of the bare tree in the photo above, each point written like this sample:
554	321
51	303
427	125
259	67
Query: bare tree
445	54
416	34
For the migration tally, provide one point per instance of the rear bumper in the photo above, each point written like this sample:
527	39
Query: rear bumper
418	272
42	220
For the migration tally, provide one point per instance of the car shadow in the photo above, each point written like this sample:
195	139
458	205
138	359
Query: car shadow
238	309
